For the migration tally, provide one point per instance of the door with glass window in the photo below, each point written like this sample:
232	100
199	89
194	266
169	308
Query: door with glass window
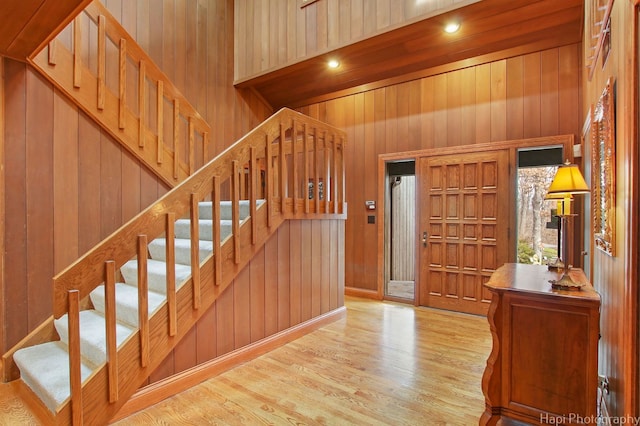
464	227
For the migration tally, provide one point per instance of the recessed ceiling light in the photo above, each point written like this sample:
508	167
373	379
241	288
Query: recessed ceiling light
452	27
333	63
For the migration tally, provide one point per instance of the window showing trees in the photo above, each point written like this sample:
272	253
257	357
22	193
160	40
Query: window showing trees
537	226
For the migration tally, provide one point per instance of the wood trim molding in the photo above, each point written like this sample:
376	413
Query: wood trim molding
163	389
361	292
2	210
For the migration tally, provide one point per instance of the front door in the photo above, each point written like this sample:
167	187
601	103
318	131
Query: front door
464	227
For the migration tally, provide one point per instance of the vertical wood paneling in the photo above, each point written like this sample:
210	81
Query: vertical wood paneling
257	301
569	116
224	322
483	103
532	77
454	108
305	284
515	97
241	309
130	187
163	371
325	266
498	101
15	296
284	280
427	116
489	102
186	353
254	306
316	265
271	287
415	129
65	183
295	272
311	19
439	111
39	197
333	265
549	92
402	110
89	192
206	348
468	103
2	206
110	184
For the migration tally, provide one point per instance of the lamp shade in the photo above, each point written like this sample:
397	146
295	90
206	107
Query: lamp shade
569	180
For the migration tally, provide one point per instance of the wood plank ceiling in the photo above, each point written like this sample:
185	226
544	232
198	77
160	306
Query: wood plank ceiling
27	25
487	27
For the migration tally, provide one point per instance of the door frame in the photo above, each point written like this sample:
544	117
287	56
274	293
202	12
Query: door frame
566	141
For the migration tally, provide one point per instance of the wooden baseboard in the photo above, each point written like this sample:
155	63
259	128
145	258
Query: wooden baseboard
360	292
163	389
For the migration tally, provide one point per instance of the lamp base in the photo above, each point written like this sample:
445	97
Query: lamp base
566	283
555	265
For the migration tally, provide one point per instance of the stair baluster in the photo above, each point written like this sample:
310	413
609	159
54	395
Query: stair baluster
143	300
75	375
170	237
110	313
195	250
215	215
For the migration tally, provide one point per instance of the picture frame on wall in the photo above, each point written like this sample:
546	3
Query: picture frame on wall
603	164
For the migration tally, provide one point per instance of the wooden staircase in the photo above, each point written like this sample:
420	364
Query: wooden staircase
269	175
113	80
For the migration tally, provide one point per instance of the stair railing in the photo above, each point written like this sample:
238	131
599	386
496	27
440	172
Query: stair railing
125	91
292	162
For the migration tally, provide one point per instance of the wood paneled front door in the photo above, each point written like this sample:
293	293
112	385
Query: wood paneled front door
464	227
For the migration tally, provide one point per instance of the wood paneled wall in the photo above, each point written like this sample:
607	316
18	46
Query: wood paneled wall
317	28
520	97
68	184
298	275
616	278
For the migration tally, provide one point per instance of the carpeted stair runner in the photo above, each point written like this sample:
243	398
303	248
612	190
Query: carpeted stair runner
45	368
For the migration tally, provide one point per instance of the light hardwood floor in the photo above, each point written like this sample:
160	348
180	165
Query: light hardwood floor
384	364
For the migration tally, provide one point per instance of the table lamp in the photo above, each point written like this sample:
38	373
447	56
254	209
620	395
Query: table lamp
567	182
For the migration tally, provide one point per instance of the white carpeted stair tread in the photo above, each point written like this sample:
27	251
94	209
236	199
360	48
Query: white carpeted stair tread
93	335
158	249
205	210
45	369
156	273
183	229
127	302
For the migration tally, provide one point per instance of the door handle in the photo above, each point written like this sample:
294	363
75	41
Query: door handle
424	238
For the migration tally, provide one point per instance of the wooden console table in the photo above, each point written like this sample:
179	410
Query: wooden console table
543	367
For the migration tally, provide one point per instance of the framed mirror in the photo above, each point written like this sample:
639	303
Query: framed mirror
603	163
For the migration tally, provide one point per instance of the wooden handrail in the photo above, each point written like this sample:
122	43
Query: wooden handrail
112	109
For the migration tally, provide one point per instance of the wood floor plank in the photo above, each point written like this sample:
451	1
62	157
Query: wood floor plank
385	363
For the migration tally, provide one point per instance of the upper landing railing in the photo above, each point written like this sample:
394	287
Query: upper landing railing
98	65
